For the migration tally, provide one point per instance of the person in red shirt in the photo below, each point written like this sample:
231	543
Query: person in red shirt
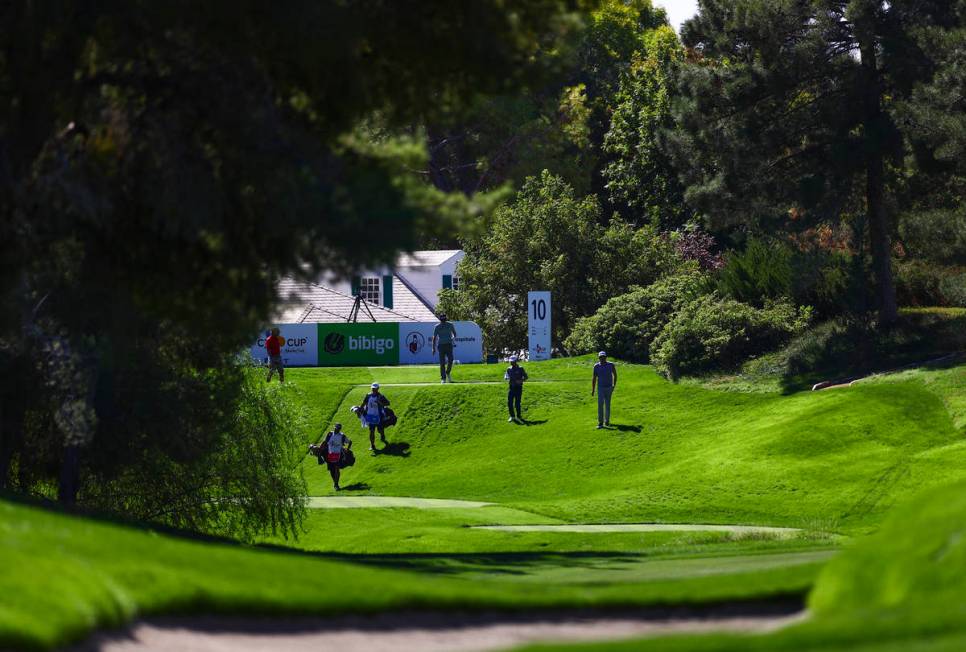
273	345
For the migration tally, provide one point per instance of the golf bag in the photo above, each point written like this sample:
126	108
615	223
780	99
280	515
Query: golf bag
388	418
319	452
348	458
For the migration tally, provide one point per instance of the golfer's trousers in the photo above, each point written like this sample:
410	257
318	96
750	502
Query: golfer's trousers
445	360
603	404
513	398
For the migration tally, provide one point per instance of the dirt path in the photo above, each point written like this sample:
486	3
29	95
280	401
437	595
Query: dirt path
431	632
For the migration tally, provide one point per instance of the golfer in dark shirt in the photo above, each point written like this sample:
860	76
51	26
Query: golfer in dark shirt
516	375
604	382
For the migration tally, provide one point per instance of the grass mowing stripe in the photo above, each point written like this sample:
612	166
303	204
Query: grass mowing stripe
595	528
364	502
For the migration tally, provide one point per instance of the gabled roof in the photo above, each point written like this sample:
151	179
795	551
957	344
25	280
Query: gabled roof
408	302
310	303
426	258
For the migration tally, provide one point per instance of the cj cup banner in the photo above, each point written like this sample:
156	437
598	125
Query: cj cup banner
367	344
416	339
301	345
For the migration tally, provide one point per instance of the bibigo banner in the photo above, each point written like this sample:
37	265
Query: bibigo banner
342	345
368	344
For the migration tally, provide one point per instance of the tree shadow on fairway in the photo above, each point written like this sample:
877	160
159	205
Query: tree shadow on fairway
395	448
495	563
357	486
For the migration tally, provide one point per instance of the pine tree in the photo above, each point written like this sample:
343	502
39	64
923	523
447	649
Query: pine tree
787	113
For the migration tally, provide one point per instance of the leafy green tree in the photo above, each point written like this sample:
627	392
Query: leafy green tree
786	113
547	238
163	164
641	180
558	124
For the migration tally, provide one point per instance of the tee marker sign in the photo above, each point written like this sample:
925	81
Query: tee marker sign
538	325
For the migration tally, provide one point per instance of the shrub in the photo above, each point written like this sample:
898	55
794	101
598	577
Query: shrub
938	236
762	271
241	477
713	332
920	283
953	290
626	325
769	270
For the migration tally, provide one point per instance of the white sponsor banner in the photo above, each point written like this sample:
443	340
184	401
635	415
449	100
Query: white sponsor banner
538	325
416	342
301	345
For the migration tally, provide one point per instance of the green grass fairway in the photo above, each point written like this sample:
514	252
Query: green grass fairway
903	589
68	575
835	460
830	464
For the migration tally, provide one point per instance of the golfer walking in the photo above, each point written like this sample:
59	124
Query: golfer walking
334	446
605	380
372	411
516	375
273	345
443	337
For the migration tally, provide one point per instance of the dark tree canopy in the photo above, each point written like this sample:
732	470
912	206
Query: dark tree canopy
162	164
786	113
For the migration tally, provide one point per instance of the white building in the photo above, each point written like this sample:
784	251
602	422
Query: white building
408	291
421	274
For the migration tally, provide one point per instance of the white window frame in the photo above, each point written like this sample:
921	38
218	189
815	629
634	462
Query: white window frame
455	282
370	289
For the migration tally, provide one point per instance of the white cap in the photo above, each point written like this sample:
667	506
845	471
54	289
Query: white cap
602	354
513	358
375	385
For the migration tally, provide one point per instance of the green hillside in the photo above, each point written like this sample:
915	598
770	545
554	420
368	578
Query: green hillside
836	459
100	574
830	463
902	589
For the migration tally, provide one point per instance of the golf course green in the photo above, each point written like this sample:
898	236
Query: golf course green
862	480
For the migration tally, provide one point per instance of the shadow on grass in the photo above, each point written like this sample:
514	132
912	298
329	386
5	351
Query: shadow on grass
623	428
527	422
357	486
395	448
841	351
494	563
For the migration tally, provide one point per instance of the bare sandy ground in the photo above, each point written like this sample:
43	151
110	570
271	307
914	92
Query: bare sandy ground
432	632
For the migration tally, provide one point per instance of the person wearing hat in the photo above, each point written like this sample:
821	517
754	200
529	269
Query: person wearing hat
372	410
333	445
516	375
604	381
444	336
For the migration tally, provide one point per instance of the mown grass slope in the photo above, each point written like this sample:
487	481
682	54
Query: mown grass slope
832	460
902	589
66	575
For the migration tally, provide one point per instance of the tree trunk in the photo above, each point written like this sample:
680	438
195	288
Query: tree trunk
69	475
6	449
880	242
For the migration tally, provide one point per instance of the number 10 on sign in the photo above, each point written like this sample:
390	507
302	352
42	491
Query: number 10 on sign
538	325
